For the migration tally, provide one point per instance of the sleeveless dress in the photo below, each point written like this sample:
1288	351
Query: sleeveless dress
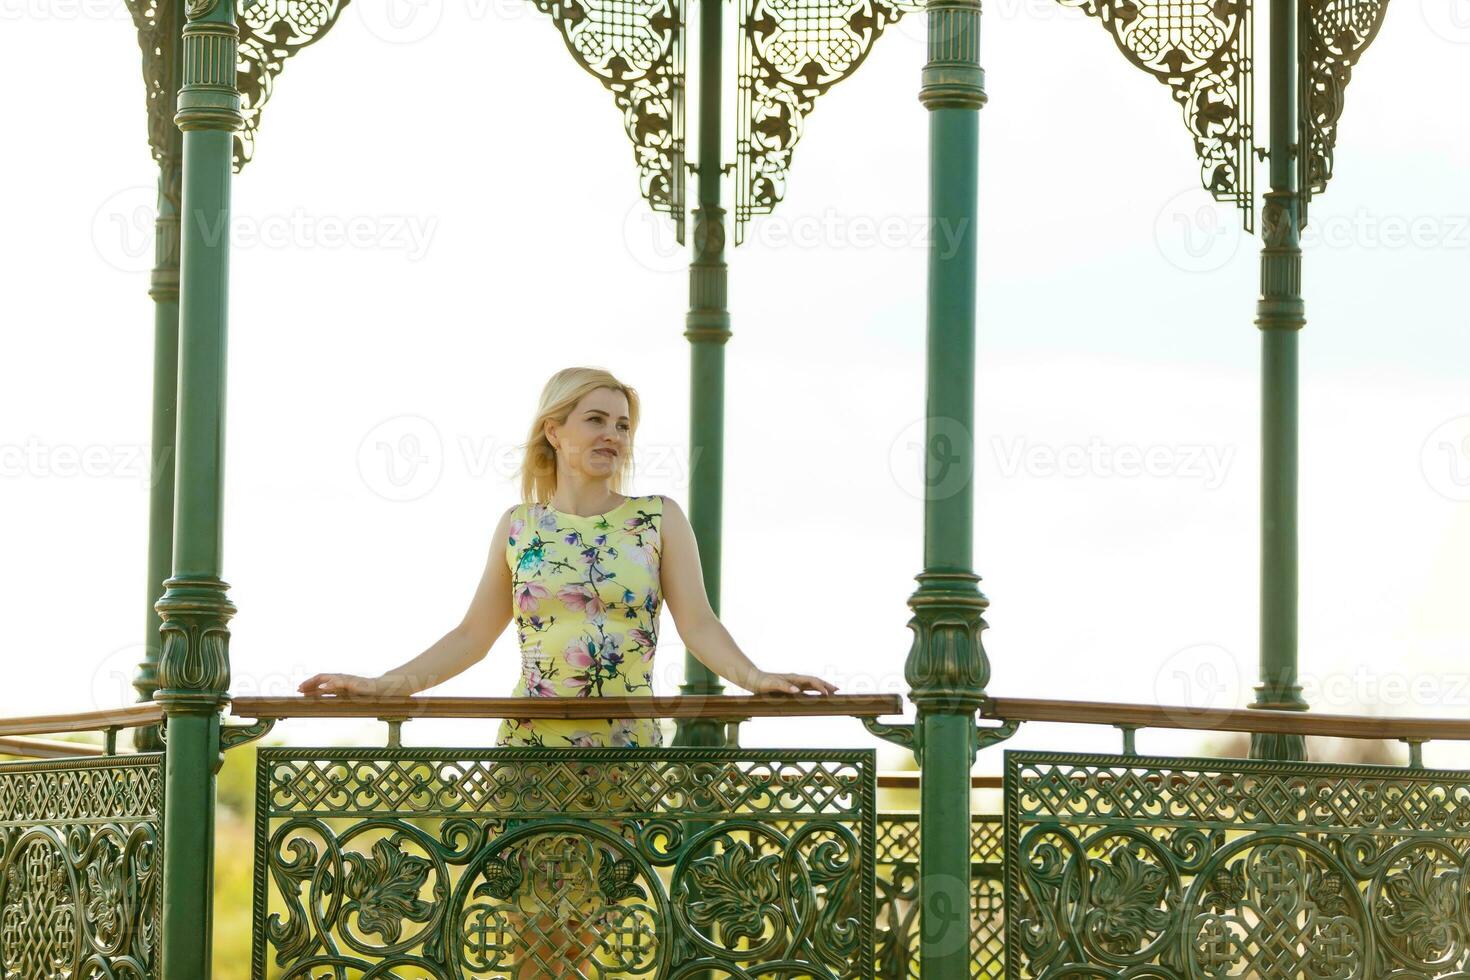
586	598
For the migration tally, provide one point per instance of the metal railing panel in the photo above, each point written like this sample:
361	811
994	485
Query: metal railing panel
449	862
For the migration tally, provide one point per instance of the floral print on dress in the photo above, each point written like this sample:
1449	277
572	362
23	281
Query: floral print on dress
586	602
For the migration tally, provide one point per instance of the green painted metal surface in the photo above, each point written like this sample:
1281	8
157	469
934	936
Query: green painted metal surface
1280	314
899	952
194	666
947	669
80	872
707	327
1174	869
655	862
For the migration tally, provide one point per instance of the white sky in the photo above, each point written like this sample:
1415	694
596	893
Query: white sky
503	239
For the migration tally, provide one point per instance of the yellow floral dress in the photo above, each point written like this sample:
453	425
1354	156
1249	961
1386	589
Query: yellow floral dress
586	598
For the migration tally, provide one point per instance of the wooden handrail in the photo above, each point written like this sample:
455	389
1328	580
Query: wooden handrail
906	779
45	748
724	706
128	716
1226	719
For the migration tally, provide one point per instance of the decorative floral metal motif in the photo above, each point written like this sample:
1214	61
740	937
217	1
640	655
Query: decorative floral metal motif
80	867
271	31
791	52
636	49
1334	34
564	862
897	924
1201	50
157	34
1181	868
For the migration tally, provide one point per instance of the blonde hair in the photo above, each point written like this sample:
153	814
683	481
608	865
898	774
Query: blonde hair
560	395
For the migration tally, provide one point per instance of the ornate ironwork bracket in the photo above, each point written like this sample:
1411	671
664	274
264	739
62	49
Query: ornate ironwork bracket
636	49
271	31
906	735
1333	35
988	735
234	736
157	35
1202	51
790	53
910	735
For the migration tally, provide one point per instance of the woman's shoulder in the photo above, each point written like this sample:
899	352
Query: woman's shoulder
660	506
513	521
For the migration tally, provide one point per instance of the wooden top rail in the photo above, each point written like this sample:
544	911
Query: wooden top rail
1226	719
129	716
905	779
45	748
722	706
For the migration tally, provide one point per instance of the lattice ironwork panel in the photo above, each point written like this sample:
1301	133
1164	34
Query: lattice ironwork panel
1201	49
898	895
790	52
636	49
595	862
1182	868
1333	35
81	868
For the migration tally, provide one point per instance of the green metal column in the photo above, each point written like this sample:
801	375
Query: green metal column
947	668
1280	314
164	290
707	326
194	666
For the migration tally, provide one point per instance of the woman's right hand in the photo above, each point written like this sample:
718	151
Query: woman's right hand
348	684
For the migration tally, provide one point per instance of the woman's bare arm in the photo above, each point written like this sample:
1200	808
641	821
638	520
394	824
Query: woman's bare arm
681	578
488	613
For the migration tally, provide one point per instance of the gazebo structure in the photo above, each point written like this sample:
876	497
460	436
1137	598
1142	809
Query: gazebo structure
708	859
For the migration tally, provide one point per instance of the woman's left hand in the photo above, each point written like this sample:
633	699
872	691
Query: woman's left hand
790	684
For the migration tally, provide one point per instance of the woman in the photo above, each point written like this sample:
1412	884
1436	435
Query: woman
584	569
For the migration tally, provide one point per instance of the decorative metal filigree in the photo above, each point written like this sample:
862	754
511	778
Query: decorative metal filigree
1334	34
636	49
157	35
565	862
271	31
898	897
791	52
1201	49
81	867
1182	868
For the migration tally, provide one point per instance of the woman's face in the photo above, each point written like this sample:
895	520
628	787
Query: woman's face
594	438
